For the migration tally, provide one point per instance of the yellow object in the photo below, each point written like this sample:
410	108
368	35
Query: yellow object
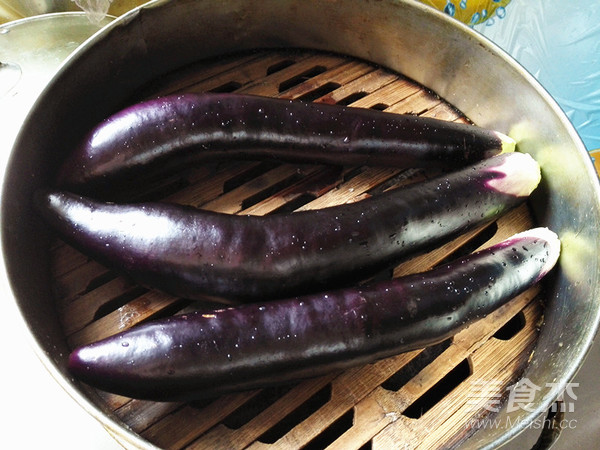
471	12
595	154
119	7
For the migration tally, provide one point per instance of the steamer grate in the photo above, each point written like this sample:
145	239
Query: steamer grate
421	399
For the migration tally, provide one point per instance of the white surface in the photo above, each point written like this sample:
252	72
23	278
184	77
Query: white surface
39	413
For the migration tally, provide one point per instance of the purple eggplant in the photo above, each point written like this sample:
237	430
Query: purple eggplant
163	134
251	346
189	252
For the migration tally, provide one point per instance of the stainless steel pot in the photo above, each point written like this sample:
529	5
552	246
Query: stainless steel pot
403	35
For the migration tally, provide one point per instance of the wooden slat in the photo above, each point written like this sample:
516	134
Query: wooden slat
232	202
212	185
209	76
342	74
417	103
273	84
83	311
347	389
367	84
223	437
313	185
178	429
389	94
138	310
141	414
75	282
358	185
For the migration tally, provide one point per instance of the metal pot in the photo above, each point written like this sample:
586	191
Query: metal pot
403	35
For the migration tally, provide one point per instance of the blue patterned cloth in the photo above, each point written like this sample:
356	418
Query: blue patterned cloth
559	43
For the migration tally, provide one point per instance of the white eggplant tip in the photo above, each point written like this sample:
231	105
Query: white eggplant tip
553	245
507	144
521	174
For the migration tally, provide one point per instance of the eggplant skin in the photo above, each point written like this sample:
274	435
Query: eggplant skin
164	134
204	354
189	252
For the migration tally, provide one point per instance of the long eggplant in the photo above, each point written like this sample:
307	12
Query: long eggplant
258	345
170	132
190	252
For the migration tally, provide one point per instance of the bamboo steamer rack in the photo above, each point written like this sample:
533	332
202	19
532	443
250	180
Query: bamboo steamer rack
429	398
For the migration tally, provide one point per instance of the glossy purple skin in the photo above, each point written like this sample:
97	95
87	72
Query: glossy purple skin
258	345
189	252
170	132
